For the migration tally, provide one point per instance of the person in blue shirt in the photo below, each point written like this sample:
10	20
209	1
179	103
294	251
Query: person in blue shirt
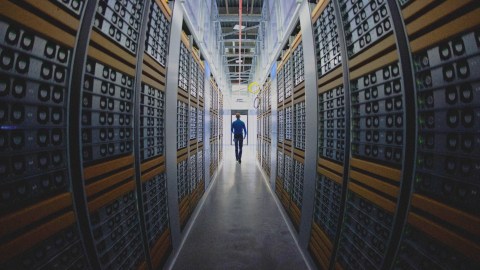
238	126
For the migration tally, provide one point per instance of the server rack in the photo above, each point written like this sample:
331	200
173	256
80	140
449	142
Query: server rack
264	120
220	126
83	136
190	96
291	128
216	127
448	60
377	202
34	156
396	125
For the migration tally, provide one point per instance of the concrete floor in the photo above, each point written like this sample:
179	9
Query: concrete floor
240	226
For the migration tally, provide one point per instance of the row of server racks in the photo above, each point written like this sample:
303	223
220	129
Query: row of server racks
83	174
397	134
216	128
264	131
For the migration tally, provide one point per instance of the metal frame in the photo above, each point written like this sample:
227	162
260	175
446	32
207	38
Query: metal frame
409	135
74	141
274	127
347	153
136	130
310	164
206	126
171	126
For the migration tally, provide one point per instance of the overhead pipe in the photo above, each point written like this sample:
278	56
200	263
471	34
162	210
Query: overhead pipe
240	38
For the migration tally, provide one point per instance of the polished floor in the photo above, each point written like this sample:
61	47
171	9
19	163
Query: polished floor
240	226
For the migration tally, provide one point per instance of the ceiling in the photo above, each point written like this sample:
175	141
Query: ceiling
251	19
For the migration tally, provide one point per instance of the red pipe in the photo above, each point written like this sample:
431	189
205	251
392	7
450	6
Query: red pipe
240	40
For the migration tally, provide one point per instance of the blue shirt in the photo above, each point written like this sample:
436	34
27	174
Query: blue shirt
238	126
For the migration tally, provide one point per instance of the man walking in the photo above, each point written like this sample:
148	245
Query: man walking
238	126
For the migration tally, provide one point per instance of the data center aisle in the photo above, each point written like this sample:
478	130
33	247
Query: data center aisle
240	226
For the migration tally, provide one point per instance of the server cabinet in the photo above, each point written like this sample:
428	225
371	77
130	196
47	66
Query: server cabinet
216	126
446	155
190	124
264	128
395	122
39	227
66	100
291	128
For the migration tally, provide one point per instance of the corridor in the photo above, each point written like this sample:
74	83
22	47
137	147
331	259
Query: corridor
239	226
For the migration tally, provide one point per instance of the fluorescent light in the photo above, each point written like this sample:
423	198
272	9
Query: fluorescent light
238	61
237	27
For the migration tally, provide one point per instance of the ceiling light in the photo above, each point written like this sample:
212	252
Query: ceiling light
238	61
237	27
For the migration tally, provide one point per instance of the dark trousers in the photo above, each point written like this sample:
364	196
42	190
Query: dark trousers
238	139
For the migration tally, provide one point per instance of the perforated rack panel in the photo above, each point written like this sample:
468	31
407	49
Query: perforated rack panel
280	126
155	207
116	231
62	250
182	179
288	123
288	77
297	188
298	65
327	205
33	107
377	116
193	122
365	232
448	152
326	41
193	77
182	124
331	124
107	114
299	125
289	173
200	125
280	166
280	85
201	83
120	21
365	23
183	71
158	35
152	122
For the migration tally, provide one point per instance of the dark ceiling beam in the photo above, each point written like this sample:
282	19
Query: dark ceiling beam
236	40
243	55
234	10
233	74
237	47
231	60
249	36
236	65
234	18
247	71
